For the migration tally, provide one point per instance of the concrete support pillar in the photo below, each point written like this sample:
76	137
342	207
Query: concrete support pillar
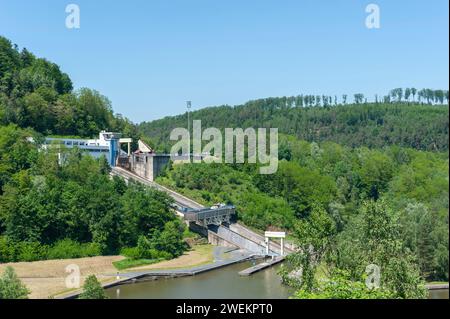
267	245
282	246
129	149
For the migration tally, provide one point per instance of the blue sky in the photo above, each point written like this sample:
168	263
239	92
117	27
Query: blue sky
149	57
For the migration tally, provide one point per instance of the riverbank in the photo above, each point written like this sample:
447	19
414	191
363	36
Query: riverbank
199	255
47	278
437	286
222	257
220	283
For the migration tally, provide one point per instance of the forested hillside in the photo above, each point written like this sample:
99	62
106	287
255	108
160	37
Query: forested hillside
346	207
51	209
357	184
400	122
35	93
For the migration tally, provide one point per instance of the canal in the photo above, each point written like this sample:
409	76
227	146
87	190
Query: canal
223	283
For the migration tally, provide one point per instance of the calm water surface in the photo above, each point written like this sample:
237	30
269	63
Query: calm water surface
217	284
222	283
439	294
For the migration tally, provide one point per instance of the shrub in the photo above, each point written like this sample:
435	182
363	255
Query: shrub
11	251
131	263
130	252
30	251
67	248
6	250
11	287
92	289
144	251
159	254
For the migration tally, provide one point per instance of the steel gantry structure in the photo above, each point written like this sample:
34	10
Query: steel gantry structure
210	216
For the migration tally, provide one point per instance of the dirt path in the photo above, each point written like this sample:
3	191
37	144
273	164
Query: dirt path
47	278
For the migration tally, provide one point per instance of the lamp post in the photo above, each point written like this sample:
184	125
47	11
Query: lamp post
188	105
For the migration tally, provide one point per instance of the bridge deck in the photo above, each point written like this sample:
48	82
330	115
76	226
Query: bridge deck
203	214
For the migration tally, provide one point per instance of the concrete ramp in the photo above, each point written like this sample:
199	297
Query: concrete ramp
244	231
225	236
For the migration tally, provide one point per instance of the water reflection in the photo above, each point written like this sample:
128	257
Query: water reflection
220	283
224	283
439	294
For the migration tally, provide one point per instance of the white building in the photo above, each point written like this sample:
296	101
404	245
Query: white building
108	144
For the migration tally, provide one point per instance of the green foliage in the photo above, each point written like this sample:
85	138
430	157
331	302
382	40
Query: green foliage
215	183
426	235
169	240
11	287
16	153
376	170
132	262
92	289
67	248
131	252
35	93
160	244
315	236
379	197
372	238
341	286
143	209
13	251
336	180
300	186
374	125
74	209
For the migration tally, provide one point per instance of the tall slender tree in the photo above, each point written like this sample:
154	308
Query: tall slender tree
413	92
407	94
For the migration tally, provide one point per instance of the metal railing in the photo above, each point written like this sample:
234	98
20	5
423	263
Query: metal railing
210	215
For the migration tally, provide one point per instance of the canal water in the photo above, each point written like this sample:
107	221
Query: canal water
439	294
222	283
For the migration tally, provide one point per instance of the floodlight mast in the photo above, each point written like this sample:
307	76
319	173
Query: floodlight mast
189	105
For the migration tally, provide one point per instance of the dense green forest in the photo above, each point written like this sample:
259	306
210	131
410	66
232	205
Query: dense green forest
345	208
34	93
358	183
400	122
52	210
340	180
72	209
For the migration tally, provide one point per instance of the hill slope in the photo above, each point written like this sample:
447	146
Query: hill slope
35	93
419	126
